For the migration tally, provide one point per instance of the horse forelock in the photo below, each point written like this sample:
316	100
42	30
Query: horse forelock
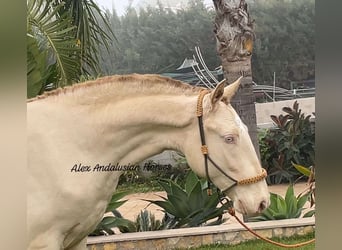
127	84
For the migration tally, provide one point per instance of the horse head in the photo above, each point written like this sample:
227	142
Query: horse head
227	156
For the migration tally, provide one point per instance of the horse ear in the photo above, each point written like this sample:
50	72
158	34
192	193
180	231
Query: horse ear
230	90
218	92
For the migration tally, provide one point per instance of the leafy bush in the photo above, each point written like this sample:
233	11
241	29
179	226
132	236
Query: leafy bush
292	140
288	208
190	205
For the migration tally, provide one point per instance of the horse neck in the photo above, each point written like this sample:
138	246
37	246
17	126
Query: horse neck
137	127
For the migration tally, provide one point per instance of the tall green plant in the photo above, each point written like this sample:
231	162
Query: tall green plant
292	140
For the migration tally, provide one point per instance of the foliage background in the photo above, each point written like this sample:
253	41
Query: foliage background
93	42
157	40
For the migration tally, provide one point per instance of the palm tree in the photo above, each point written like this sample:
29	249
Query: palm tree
234	43
62	42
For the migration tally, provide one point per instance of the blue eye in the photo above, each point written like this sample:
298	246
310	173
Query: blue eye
229	139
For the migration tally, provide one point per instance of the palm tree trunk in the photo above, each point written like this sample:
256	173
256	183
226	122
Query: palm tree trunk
234	43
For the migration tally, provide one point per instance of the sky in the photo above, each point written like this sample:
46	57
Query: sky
121	5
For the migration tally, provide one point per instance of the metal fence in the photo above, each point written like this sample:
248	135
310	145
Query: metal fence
266	93
196	72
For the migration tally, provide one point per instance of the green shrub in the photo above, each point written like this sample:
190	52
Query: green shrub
292	140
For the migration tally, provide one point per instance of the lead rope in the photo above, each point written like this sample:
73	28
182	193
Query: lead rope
231	211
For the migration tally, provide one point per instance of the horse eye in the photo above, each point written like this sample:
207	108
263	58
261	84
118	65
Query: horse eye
229	139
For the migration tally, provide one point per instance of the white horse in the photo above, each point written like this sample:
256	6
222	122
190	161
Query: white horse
122	120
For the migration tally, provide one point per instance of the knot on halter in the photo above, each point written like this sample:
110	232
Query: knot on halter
204	149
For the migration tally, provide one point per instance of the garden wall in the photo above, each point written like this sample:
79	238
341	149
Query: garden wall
265	110
193	237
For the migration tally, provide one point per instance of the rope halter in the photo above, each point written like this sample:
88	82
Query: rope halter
205	151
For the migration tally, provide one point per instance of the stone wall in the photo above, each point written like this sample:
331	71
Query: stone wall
192	237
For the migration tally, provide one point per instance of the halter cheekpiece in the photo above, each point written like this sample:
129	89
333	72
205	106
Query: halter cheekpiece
205	152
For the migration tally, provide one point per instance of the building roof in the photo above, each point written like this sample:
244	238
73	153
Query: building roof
187	63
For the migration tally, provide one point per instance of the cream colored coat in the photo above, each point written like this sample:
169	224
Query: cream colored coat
123	120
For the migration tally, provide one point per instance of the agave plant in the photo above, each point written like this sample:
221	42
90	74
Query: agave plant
189	206
146	221
288	208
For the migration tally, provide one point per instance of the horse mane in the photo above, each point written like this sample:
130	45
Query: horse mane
133	83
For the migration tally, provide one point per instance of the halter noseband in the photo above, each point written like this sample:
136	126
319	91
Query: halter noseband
204	149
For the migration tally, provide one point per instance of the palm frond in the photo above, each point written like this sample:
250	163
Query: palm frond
86	16
37	70
54	34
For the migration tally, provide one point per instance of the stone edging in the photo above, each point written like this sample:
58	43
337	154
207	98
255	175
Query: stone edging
186	237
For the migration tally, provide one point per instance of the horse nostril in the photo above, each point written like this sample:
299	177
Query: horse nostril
262	206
